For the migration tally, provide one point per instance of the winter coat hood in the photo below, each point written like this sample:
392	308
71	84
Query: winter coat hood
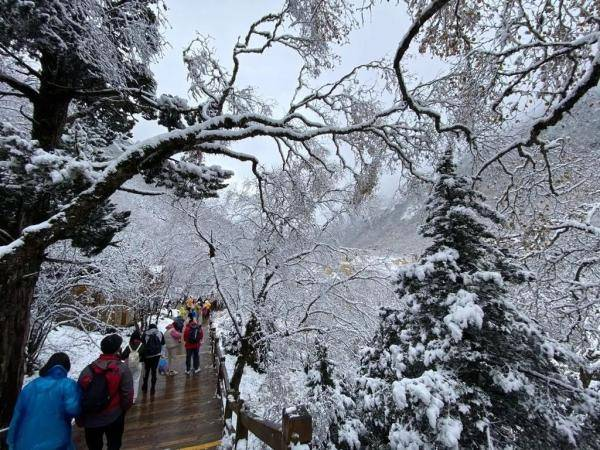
57	372
104	360
152	331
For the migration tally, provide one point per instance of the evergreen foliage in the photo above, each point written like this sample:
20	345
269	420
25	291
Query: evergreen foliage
329	400
35	183
457	366
91	76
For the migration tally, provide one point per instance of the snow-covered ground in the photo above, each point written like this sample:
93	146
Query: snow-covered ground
81	346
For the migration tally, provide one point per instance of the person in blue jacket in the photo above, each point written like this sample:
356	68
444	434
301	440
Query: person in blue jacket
42	417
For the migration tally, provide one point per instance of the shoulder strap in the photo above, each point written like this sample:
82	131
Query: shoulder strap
138	347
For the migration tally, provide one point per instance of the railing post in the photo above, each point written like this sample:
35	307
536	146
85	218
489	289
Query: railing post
236	398
213	343
241	432
296	426
220	376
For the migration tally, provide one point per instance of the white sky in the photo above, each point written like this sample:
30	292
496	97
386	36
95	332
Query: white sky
274	74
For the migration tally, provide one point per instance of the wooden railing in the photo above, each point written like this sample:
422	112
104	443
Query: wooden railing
296	422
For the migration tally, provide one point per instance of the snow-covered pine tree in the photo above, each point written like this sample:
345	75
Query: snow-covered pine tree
457	365
335	425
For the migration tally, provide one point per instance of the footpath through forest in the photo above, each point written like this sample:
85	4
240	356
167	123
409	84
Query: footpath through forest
184	413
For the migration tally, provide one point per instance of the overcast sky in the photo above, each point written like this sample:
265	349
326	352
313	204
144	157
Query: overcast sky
274	74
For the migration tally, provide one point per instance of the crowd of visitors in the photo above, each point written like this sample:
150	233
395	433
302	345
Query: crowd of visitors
106	389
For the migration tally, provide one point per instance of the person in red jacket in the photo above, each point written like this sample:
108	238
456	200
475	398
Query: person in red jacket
107	394
192	336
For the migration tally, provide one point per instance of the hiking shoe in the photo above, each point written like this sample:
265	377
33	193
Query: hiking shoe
188	372
173	372
197	370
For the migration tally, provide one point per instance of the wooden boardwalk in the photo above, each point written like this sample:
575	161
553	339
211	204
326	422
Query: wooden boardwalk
182	414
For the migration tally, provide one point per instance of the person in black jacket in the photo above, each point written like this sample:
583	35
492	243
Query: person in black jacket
153	341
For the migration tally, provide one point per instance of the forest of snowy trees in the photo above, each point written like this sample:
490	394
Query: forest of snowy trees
460	311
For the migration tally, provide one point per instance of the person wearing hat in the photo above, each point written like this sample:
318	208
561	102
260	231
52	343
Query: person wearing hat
107	394
45	407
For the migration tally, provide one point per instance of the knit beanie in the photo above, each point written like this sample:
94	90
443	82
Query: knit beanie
111	344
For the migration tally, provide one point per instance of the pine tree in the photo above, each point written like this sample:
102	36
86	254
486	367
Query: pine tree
335	425
457	365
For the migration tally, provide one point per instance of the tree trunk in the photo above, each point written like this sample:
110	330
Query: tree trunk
49	116
17	287
238	371
246	355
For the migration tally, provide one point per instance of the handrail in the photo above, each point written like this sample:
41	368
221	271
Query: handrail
296	422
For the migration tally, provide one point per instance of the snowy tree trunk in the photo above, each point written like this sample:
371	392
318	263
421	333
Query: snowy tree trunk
17	286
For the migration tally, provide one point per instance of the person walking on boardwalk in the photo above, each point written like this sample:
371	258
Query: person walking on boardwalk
153	341
107	394
192	336
172	341
44	410
206	310
133	356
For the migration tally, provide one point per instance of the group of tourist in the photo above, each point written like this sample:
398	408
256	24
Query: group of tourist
196	308
105	391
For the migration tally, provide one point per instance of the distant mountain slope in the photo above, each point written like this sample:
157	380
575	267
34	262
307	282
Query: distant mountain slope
394	229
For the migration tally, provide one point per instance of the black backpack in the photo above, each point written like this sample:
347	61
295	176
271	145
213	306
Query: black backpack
96	396
152	346
194	335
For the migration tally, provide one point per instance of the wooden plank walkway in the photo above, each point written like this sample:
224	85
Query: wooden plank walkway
182	414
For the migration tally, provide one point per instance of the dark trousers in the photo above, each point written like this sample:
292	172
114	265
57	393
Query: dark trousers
94	437
189	354
150	366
